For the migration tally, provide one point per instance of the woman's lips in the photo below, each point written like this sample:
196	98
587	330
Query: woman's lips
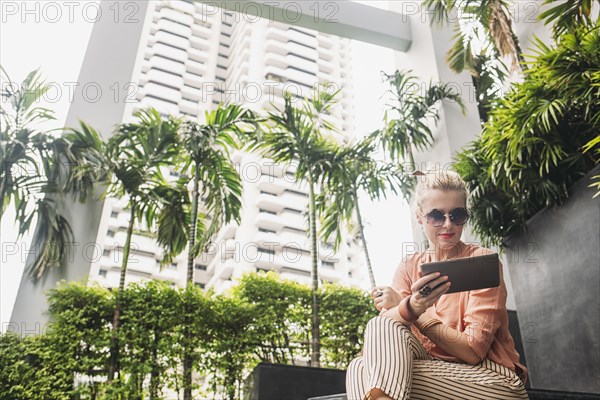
446	235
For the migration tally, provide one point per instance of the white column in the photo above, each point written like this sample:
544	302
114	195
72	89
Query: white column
105	75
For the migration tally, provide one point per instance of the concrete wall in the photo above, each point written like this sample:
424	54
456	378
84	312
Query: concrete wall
109	61
555	270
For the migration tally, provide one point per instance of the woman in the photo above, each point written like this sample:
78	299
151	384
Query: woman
430	345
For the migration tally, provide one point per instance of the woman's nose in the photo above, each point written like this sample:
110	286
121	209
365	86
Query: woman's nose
447	223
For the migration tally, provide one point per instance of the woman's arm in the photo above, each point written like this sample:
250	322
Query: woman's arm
450	340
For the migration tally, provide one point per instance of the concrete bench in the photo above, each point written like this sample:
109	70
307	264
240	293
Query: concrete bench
534	394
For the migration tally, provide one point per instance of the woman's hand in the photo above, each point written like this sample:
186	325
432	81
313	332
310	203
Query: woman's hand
419	303
384	297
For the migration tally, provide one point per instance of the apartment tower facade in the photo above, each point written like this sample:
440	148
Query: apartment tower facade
196	56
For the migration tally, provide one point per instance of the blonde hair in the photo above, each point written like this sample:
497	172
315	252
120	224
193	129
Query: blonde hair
437	179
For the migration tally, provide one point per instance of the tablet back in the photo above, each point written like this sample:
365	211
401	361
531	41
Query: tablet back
470	273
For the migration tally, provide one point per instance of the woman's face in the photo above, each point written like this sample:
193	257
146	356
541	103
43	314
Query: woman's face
446	236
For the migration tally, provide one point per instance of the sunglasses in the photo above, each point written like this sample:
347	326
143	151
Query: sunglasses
436	218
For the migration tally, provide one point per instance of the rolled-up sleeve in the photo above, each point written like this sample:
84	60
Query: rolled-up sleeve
483	316
401	282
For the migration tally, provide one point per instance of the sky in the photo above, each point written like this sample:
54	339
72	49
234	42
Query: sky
54	37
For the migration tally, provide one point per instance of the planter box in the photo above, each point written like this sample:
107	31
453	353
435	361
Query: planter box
277	382
555	274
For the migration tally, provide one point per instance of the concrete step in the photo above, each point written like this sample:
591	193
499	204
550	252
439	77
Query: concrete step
534	394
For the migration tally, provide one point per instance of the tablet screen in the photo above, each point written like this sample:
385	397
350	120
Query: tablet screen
470	273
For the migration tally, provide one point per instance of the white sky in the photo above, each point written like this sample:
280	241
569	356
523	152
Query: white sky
56	43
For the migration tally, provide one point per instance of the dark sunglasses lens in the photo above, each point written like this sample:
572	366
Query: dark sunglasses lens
436	218
459	216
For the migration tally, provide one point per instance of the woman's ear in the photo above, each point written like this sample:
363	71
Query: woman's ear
418	216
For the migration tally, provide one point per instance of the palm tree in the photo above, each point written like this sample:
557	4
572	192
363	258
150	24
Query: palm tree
129	163
30	170
483	36
204	158
297	135
356	169
489	20
415	112
568	15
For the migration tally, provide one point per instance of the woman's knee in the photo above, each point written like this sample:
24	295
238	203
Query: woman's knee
384	323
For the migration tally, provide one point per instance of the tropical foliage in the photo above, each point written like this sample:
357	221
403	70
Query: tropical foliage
302	136
356	170
261	319
31	170
412	112
540	139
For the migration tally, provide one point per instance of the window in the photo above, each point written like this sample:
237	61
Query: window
266	251
262	210
106	253
201	267
301	70
102	273
296	192
200	285
266	230
114	214
302	44
293	252
161	99
110	233
173	266
292	210
302	32
269	193
327	264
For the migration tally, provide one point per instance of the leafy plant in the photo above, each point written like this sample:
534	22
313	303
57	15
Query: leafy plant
356	169
411	115
299	136
538	140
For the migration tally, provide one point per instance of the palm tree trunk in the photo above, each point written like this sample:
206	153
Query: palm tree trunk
114	351
154	381
188	361
315	353
193	228
361	229
3	186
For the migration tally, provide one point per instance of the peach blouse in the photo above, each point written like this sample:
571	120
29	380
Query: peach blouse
481	314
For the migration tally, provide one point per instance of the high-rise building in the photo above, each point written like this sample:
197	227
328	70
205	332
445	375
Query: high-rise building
194	57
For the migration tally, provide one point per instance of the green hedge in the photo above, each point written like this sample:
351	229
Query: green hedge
262	319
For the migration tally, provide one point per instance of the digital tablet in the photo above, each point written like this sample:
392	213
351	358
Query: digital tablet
470	273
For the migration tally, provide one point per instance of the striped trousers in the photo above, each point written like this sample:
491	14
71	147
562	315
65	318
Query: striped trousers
396	362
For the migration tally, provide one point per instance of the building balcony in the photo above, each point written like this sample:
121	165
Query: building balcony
267	239
201	31
270	202
175	40
173	27
165	93
269	221
164	77
277	34
276	47
189	107
170	52
196	67
295	201
175	16
161	106
166	64
272	184
200	53
295	221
